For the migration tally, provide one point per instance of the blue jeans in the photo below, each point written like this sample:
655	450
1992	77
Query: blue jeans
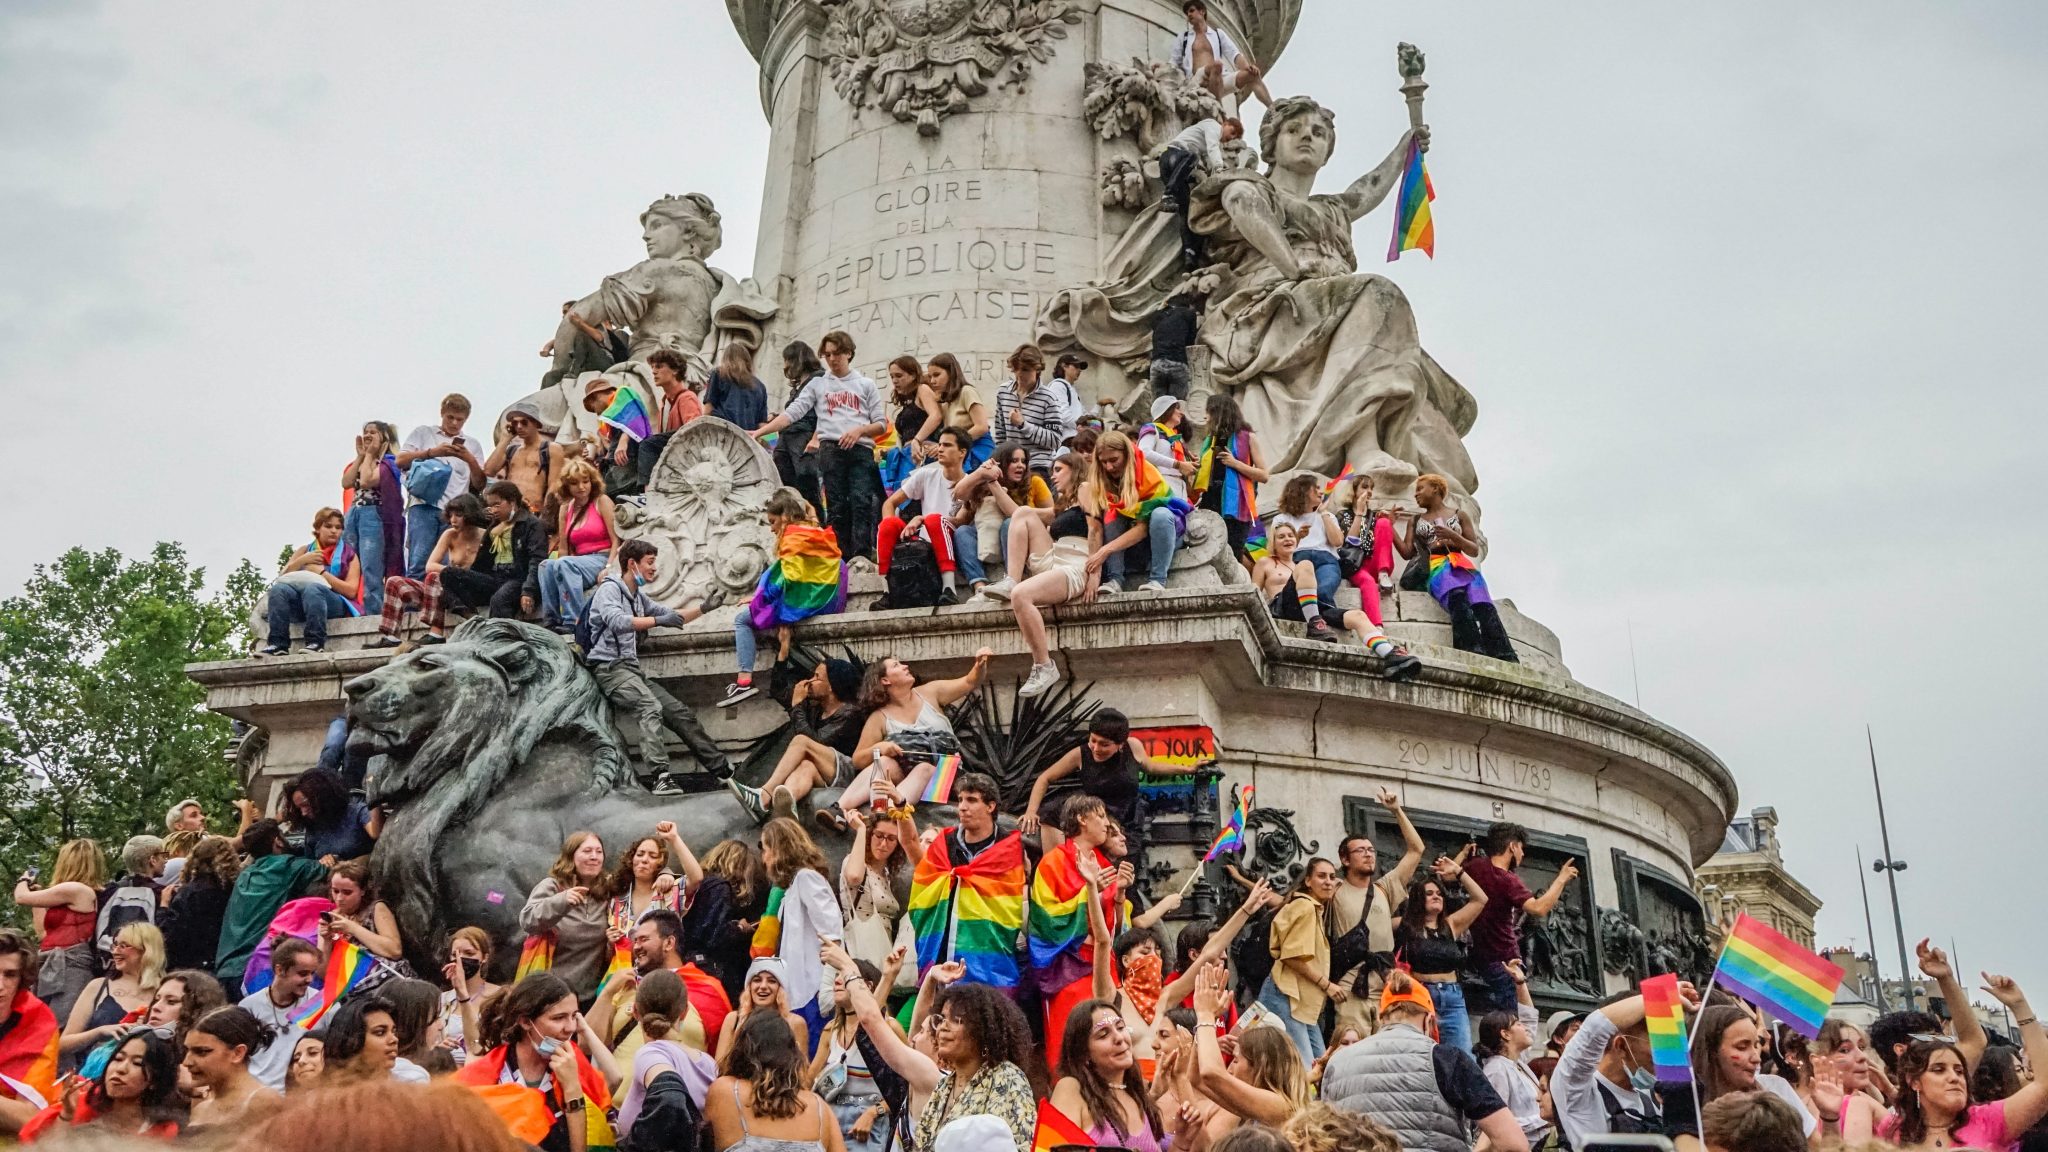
1500	986
303	604
1453	1026
743	639
967	553
564	583
1308	1038
423	526
1328	572
363	530
1163	535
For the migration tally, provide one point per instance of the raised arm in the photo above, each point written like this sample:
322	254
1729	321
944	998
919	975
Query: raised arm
1104	987
69	894
1062	768
945	692
1541	905
1368	190
693	872
1230	1093
1970	1038
2027	1107
1460	922
1259	897
1411	841
912	1065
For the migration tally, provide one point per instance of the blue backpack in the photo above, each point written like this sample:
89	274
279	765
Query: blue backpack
428	479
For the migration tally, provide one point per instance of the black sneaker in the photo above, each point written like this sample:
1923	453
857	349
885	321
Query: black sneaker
383	641
1319	629
272	650
1400	665
948	597
665	785
736	692
430	638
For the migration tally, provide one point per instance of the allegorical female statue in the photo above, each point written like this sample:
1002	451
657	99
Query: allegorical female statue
1324	360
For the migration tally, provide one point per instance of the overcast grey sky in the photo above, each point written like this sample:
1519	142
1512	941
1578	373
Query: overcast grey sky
1741	288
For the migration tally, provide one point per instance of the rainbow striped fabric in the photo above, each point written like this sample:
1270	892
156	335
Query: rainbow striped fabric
970	911
1230	838
1413	225
806	580
1665	1015
1059	904
1152	495
1763	966
536	955
1240	497
348	963
768	933
1330	486
627	414
620	918
944	771
1055	1130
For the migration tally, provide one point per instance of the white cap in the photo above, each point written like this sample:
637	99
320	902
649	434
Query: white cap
1161	405
975	1134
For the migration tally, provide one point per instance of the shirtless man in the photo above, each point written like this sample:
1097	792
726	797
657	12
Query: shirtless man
524	456
1214	60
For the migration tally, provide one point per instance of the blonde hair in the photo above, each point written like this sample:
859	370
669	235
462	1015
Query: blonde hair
144	935
1127	484
1433	481
81	862
181	843
1274	1064
573	469
736	363
1321	1128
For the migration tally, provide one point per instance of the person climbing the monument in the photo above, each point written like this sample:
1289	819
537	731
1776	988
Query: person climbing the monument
931	487
1174	330
1454	578
827	718
1164	442
678	406
905	735
807	579
1197	151
1138	508
1497	934
449	463
505	580
849	411
619	611
1108	764
1047	559
526	456
322	581
1027	410
1228	472
1208	54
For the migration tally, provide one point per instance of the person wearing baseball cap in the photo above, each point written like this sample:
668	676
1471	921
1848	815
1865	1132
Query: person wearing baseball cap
1560	1028
1429	1095
1164	443
1066	388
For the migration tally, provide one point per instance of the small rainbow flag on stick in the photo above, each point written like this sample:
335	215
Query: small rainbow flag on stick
628	415
1231	838
1665	1014
1413	227
1763	966
1339	478
1055	1129
347	964
945	770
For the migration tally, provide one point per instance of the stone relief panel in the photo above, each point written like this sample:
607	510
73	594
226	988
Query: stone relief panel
1149	101
923	60
1667	928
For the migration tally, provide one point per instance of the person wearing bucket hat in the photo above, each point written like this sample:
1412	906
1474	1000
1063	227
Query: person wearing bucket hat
1559	1029
1164	443
766	990
525	455
1430	1095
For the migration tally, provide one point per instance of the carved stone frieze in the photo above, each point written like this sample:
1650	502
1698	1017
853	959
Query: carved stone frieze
923	60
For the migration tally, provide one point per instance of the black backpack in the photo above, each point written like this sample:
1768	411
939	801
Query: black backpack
913	577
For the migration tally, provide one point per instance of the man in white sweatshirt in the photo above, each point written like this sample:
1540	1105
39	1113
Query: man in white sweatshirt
849	409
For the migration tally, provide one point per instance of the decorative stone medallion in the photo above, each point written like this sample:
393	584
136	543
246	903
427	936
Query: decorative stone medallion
922	60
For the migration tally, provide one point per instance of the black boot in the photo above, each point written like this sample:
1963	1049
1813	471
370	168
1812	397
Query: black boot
1493	635
1464	625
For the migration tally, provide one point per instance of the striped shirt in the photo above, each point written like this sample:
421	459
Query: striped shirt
1044	426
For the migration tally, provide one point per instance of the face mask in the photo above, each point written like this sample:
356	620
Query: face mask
1642	1080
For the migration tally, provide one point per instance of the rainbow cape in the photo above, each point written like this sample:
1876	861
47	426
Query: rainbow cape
1175	442
527	1114
627	414
1240	497
536	955
348	964
1055	1129
1763	966
1665	1015
768	933
944	771
28	1052
1413	227
1230	838
970	911
708	997
806	580
1059	905
1152	495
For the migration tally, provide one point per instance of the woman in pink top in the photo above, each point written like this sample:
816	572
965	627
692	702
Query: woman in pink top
586	544
1934	1109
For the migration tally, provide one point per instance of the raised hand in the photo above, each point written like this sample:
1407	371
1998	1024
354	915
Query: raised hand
947	973
833	955
1446	869
1934	962
1389	798
1212	990
665	829
1570	871
1827	1089
1091	869
1126	874
2007	991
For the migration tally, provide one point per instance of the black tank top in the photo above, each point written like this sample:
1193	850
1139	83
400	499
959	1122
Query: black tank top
1114	781
1070	523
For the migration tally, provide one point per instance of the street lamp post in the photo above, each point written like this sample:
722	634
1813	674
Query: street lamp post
1884	1003
1891	866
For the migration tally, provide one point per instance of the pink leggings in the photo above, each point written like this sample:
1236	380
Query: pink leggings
1366	579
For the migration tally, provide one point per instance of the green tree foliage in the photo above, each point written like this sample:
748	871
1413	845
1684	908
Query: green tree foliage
100	730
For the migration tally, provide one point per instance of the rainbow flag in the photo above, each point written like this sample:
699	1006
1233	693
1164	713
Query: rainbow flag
944	772
1059	904
768	933
970	911
536	955
806	580
1231	837
1413	226
1339	478
627	414
348	963
621	920
1763	966
1665	1014
1055	1129
1152	495
1240	497
527	1114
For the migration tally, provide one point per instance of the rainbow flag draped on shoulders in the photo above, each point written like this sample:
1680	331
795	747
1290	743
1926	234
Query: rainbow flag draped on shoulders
1765	967
1152	495
806	580
527	1113
1413	225
970	910
28	1052
628	415
1240	497
1059	906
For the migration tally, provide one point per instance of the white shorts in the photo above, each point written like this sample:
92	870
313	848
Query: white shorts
1068	556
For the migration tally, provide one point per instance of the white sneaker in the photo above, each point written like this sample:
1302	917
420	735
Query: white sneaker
999	590
1386	581
1043	676
1151	586
1107	589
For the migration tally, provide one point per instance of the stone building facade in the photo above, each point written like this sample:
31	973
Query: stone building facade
1748	874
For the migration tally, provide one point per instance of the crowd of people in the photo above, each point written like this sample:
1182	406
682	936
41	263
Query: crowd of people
945	986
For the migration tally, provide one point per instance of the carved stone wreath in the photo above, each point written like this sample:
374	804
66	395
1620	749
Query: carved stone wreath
704	512
1150	101
922	60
